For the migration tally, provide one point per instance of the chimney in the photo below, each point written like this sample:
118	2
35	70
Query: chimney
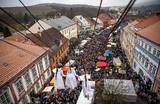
40	34
60	42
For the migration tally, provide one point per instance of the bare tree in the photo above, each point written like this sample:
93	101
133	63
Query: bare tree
114	91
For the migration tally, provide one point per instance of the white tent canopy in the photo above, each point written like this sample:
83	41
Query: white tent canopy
70	62
48	89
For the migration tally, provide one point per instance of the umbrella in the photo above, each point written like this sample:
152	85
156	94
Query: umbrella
108	51
102	58
65	68
101	64
106	54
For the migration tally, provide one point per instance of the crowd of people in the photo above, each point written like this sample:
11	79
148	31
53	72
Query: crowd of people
85	62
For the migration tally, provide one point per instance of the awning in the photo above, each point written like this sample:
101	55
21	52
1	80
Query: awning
121	71
102	58
108	51
70	62
48	89
52	82
113	44
108	45
106	54
101	64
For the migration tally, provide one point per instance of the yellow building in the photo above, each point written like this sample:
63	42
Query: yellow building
128	40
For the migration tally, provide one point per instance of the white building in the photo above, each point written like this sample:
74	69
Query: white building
85	25
99	23
147	53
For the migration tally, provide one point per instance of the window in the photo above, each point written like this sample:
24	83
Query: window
24	100
142	59
141	72
142	44
4	98
19	86
150	67
154	70
154	51
134	65
40	65
34	72
48	72
53	59
158	53
139	57
145	46
146	64
37	86
149	48
46	61
27	78
43	78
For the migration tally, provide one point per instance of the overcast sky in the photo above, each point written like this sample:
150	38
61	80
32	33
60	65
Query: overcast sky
13	3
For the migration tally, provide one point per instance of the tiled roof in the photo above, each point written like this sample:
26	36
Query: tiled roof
151	32
59	23
16	37
102	19
134	22
112	16
89	21
54	33
106	16
10	55
125	28
147	22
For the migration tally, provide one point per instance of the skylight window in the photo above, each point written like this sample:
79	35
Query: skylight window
5	64
21	55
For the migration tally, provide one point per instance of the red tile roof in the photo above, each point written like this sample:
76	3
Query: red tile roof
147	22
89	21
112	15
151	32
15	37
10	55
103	19
106	16
54	33
126	28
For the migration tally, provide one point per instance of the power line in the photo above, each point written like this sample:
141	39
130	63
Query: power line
37	22
23	34
24	27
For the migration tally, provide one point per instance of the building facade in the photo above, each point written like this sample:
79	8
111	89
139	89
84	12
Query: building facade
127	40
25	70
66	26
85	25
147	54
